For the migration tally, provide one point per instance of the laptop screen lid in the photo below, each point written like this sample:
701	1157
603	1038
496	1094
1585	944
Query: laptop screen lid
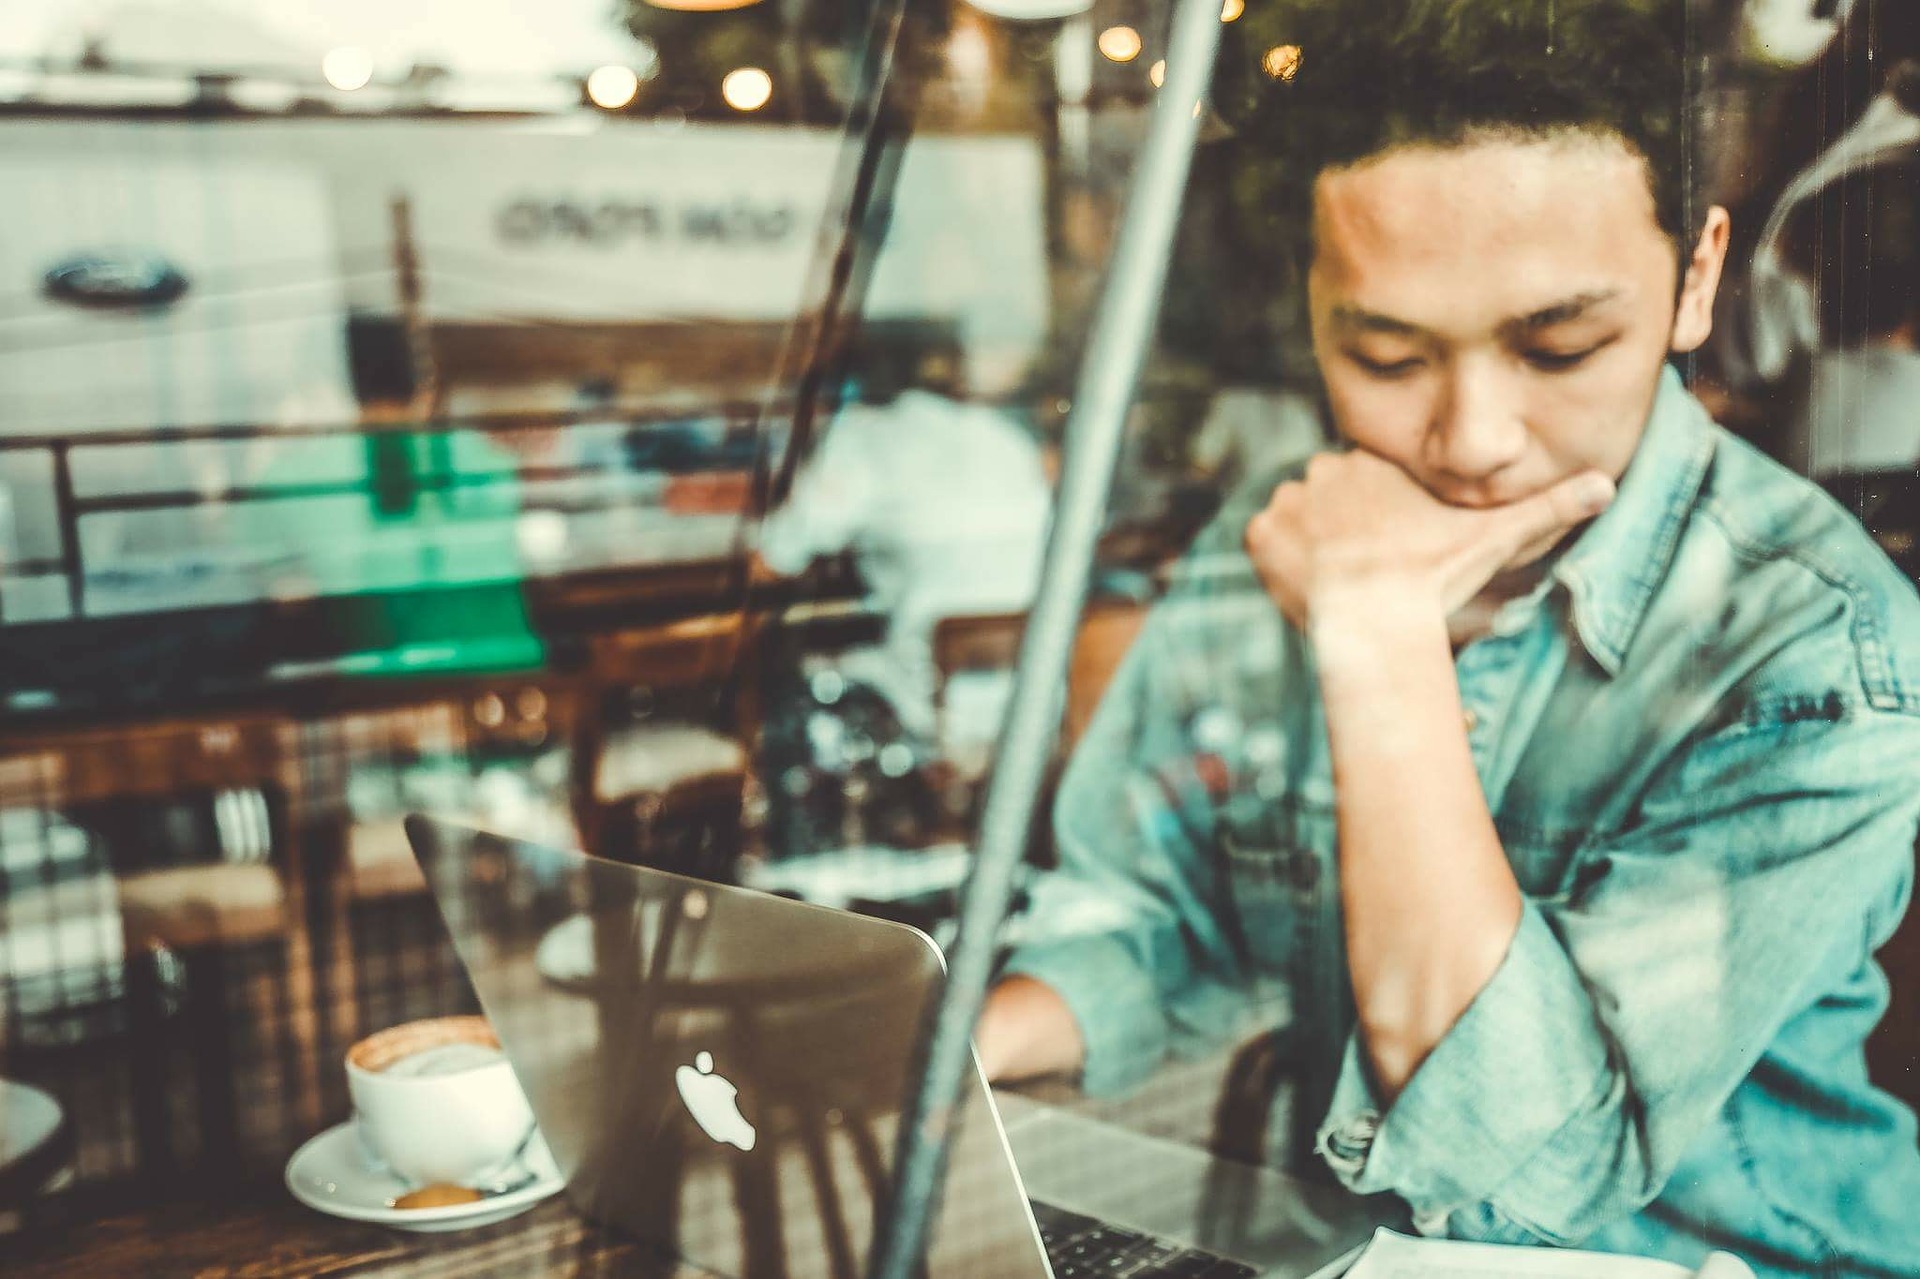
717	1071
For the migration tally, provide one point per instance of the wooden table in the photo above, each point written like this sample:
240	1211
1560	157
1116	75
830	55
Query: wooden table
266	1235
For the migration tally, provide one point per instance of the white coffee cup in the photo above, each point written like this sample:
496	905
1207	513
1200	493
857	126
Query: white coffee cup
437	1101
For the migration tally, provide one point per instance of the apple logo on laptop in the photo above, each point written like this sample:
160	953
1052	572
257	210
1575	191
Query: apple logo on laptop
711	1100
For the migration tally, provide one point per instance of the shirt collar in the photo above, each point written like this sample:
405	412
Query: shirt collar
1613	569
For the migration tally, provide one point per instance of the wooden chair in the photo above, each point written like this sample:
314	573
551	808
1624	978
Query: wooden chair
988	641
992	642
965	646
1893	1051
1107	632
199	913
645	786
1888	505
372	858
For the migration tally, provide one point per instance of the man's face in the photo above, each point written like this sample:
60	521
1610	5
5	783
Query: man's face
1493	318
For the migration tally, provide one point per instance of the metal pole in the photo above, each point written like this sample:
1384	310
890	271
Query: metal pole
426	401
1123	329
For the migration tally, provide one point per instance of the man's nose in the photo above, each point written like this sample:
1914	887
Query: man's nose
1479	428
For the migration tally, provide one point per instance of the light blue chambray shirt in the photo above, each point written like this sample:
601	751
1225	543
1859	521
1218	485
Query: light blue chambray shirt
1700	740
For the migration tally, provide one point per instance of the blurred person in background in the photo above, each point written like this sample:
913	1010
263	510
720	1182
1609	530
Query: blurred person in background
944	505
1553	749
1862	244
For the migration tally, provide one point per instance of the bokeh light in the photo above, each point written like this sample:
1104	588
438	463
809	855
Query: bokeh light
1282	62
1120	44
612	87
747	88
347	68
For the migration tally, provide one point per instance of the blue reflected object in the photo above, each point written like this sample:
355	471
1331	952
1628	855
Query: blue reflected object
116	281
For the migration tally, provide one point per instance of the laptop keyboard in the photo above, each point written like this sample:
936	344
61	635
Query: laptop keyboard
1081	1247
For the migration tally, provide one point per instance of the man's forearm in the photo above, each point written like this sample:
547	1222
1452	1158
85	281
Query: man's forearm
1430	903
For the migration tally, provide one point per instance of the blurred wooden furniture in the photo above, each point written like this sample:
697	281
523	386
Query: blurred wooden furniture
456	729
989	641
261	1232
449	727
662	780
1893	1050
992	642
968	727
198	912
1887	503
1107	632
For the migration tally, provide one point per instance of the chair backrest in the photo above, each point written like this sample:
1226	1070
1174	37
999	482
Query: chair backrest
1107	631
1893	1051
1888	504
992	642
156	759
976	644
983	642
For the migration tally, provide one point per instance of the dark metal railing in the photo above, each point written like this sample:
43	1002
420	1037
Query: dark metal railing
71	506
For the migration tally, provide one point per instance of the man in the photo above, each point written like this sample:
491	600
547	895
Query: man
945	504
1550	744
1863	399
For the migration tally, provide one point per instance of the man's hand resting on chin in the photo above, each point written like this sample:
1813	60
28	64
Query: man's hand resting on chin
1358	539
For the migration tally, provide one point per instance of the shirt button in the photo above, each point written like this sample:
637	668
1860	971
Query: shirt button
1472	718
1345	1145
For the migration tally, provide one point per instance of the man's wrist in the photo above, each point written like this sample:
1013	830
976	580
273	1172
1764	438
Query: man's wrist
1357	630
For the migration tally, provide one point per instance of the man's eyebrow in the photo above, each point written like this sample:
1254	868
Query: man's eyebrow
1561	312
1348	316
1358	318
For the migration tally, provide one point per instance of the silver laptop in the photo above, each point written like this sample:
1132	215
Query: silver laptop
719	1073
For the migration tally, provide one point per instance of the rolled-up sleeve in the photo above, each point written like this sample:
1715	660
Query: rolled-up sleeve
1761	877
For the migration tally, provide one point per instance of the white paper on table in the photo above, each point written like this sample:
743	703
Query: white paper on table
1396	1256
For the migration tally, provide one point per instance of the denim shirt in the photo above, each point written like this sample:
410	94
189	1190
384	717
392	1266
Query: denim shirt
1700	742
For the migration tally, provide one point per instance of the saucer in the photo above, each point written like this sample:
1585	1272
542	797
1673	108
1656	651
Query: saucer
36	1142
330	1173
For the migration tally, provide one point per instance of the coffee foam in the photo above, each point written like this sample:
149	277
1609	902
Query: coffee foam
447	1059
387	1050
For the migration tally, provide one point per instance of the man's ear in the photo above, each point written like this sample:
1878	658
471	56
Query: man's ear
1693	321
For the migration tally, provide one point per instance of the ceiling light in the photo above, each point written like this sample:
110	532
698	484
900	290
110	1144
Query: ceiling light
347	68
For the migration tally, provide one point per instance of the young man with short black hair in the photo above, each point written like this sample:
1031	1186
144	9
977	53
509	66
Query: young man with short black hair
1549	742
